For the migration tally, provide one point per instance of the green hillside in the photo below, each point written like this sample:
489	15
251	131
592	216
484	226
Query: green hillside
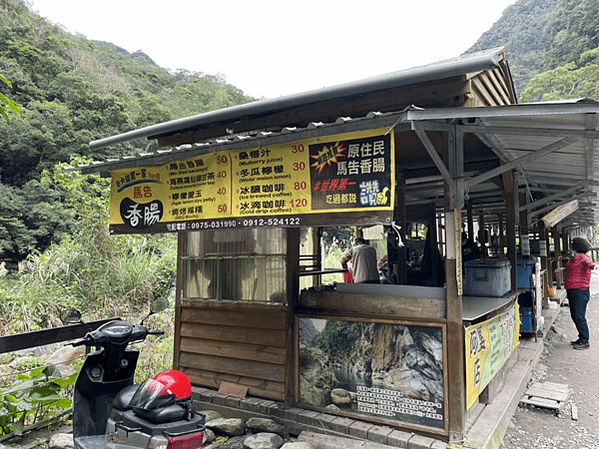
550	47
72	91
523	29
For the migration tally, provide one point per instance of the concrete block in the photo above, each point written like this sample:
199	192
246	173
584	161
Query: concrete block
292	413
341	425
262	406
322	441
197	391
278	412
271	406
420	442
438	444
527	354
359	429
247	404
307	417
219	399
323	421
398	438
207	395
232	401
379	434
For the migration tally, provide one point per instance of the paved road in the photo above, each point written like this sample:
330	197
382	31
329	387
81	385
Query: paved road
537	428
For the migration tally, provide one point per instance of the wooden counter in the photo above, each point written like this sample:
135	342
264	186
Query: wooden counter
476	308
405	301
389	301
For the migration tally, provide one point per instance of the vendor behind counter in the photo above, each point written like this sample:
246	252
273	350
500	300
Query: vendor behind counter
364	262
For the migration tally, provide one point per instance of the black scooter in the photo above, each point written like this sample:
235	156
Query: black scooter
103	413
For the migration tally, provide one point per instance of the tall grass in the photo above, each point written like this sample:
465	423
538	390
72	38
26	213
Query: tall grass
99	274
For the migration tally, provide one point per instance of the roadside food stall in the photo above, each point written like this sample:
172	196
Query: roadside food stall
246	187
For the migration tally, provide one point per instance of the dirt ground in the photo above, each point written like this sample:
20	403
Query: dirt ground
540	428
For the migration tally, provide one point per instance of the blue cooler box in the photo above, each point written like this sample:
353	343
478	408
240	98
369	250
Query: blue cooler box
487	277
525	319
525	270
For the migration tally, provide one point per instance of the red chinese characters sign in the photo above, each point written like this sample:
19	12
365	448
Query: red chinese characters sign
316	181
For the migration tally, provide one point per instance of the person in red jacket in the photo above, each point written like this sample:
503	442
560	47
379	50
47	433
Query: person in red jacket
577	283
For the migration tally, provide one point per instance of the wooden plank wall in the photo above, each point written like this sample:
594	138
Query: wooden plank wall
244	344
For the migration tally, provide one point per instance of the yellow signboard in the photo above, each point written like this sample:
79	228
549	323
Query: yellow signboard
284	185
488	346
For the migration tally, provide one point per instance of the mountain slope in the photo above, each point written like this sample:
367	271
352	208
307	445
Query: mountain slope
524	29
72	91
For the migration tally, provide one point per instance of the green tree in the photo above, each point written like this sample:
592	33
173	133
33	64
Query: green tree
88	268
572	80
338	337
524	30
7	102
70	91
15	240
573	31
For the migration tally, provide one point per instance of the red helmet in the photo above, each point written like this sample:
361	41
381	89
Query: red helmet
176	383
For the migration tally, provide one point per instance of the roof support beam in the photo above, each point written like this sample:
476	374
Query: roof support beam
552	206
496	146
547	199
432	152
591	124
531	132
521	110
516	163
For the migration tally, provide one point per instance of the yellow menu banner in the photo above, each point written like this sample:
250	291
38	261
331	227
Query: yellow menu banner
488	346
286	185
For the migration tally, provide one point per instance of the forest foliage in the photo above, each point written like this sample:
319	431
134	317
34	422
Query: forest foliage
60	91
71	91
550	47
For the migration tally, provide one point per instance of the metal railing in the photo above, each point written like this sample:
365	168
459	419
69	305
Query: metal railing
27	340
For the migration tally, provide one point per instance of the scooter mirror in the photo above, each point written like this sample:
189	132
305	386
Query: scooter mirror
158	305
70	316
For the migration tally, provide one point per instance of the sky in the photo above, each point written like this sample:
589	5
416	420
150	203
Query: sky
272	48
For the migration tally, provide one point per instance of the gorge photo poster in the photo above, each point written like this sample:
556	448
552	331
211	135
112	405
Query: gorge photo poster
385	370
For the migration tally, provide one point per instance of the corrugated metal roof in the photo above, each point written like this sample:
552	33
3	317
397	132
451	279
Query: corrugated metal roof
570	171
341	125
460	66
564	132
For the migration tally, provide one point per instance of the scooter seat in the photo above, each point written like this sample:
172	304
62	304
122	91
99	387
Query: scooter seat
174	412
123	398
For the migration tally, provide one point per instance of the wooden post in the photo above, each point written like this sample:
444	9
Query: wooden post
482	235
469	221
400	218
511	200
549	277
523	220
558	255
316	254
181	250
456	363
292	262
543	238
434	238
565	241
456	398
502	238
558	233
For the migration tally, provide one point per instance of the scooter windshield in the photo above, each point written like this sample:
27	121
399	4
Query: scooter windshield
152	395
